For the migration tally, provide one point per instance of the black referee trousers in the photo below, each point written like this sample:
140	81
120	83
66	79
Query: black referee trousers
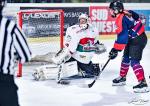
8	91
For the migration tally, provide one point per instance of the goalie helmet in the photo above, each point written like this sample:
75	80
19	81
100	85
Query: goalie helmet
2	4
83	21
117	7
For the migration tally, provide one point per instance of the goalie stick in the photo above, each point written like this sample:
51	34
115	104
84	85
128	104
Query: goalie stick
58	79
59	72
96	77
60	58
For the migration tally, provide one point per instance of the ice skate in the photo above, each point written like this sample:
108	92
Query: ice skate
120	81
142	87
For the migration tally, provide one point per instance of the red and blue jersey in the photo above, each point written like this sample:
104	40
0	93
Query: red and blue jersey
127	28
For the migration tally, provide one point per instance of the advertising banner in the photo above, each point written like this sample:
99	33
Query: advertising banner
39	24
146	14
71	14
101	18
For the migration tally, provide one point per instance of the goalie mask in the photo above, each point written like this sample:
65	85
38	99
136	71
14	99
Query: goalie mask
2	4
83	21
116	7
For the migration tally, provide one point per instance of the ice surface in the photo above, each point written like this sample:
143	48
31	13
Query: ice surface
48	93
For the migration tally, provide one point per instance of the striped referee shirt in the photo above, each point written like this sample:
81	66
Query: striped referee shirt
12	41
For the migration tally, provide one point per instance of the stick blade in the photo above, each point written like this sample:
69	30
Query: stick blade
64	82
91	84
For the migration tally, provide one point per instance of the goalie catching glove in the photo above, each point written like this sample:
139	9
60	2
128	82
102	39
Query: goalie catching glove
62	56
99	48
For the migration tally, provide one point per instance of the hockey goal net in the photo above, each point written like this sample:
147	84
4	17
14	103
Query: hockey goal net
44	30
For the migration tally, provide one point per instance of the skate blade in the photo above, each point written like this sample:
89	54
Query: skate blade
119	84
143	90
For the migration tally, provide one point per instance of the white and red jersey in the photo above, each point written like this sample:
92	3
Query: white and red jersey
81	42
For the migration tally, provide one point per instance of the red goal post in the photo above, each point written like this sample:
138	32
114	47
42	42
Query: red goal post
41	24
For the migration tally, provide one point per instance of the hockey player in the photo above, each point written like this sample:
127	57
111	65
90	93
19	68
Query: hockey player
132	38
81	43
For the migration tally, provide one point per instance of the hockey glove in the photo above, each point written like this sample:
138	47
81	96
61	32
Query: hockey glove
113	53
100	48
62	56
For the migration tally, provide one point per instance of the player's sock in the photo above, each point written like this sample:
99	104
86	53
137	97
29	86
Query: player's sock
124	69
139	72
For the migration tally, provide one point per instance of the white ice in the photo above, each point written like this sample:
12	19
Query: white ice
48	93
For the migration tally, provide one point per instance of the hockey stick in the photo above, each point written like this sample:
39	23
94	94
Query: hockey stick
96	77
58	79
59	72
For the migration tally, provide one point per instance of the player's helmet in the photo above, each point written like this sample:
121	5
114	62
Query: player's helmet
85	24
117	6
2	4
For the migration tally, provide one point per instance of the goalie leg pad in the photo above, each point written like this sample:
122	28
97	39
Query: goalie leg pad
70	69
38	75
51	71
45	71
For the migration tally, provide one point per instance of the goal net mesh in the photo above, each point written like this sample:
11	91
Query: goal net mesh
44	32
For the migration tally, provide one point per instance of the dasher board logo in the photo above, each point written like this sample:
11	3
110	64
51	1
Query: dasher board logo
47	15
101	19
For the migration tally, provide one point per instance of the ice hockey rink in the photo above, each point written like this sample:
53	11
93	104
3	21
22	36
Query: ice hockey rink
49	93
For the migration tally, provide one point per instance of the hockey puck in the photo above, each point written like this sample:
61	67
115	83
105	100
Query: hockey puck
64	82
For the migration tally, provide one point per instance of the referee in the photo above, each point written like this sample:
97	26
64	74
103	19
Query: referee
12	42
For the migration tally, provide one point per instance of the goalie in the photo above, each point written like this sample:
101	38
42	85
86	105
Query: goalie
79	47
